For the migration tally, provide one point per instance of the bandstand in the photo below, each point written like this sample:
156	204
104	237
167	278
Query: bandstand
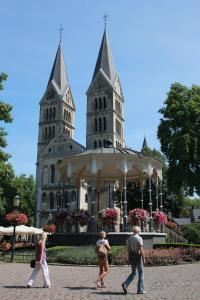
102	171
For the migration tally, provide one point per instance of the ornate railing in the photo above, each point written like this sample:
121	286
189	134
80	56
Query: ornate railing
173	237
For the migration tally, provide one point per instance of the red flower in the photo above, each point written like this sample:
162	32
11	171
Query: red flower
49	228
139	214
159	217
108	213
15	218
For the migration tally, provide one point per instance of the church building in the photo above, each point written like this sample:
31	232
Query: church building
69	175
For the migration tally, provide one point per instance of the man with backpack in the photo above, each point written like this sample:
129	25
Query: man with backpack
136	256
102	248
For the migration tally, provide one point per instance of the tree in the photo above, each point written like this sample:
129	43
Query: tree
179	135
25	186
6	171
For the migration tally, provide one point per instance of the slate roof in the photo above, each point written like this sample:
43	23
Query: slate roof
58	72
105	61
182	221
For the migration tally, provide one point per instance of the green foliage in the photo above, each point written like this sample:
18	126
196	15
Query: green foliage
175	204
146	151
25	187
6	171
79	254
179	135
191	233
193	203
175	245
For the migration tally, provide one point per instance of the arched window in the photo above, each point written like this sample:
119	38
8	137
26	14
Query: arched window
95	125
52	175
73	196
50	113
100	125
45	175
49	135
45	133
86	198
64	114
104	123
58	200
95	103
104	102
99	143
100	104
51	200
47	114
53	132
54	112
95	144
69	117
66	199
44	200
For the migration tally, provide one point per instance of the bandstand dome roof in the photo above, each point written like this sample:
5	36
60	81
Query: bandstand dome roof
109	163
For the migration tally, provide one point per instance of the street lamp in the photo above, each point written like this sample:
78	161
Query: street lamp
16	202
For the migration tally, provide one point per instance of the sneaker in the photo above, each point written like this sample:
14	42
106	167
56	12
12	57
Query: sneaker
28	286
141	292
124	288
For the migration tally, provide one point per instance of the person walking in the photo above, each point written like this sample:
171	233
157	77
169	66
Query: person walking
40	262
102	248
136	256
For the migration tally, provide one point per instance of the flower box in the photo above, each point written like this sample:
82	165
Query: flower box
80	216
159	217
51	228
138	216
15	218
108	215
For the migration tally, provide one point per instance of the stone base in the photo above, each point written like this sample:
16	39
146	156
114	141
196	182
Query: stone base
115	239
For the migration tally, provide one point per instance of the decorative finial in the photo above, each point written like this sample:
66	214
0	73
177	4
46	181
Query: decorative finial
105	17
61	31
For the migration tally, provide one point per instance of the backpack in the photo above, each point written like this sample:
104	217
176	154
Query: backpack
101	251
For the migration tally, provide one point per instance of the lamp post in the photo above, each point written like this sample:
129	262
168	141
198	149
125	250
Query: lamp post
16	202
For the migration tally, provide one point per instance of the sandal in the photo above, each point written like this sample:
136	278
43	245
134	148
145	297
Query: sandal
97	283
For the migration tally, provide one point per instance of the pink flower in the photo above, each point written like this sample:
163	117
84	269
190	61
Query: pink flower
139	214
15	218
159	217
108	213
49	228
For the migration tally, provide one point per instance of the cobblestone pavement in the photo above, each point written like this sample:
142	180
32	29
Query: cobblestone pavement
77	283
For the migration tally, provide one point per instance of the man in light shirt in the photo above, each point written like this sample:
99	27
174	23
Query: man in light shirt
135	251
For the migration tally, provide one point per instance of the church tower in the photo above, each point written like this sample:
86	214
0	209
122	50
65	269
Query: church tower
105	103
56	106
55	142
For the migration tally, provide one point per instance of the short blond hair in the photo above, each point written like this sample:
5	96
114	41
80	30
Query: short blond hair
102	234
136	229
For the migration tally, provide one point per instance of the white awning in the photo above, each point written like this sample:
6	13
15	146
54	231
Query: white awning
20	229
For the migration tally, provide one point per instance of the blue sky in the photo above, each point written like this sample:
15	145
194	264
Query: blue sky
154	43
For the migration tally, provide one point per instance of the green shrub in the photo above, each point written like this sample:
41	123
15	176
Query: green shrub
191	233
175	245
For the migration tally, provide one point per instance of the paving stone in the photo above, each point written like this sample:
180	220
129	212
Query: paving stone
77	283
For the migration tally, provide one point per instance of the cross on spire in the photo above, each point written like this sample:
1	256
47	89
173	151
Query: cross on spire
61	31
105	17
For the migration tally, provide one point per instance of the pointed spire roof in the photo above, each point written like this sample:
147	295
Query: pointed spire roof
144	145
105	61
58	72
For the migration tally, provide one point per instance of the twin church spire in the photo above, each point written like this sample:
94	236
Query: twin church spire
105	109
104	62
58	73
